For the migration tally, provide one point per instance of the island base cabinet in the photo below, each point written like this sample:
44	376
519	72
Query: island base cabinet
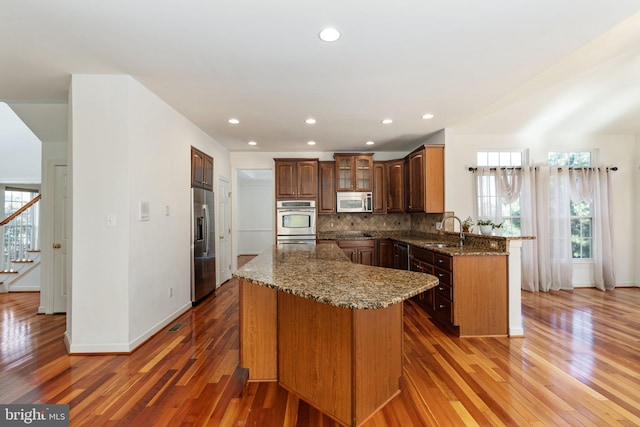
346	363
258	331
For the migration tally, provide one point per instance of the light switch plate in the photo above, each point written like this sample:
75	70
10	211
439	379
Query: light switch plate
144	210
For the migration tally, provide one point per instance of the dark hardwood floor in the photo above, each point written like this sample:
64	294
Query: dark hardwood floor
579	364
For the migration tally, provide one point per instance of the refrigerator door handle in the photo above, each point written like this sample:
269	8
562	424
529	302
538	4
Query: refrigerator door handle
206	229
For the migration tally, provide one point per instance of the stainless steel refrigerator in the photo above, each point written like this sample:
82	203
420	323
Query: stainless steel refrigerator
203	248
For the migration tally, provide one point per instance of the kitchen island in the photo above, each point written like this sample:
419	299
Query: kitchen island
325	329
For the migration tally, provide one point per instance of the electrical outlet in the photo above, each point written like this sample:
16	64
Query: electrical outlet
439	225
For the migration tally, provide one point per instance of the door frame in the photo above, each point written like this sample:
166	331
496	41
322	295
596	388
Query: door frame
219	269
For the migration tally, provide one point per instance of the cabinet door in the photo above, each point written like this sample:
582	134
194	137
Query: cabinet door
363	173
207	174
385	253
434	179
344	173
416	181
394	174
285	179
352	253
366	256
327	190
197	168
307	179
379	188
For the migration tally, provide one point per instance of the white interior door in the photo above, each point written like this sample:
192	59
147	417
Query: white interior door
60	239
224	229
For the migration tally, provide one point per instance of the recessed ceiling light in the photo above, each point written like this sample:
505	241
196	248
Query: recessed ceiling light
329	35
234	121
252	143
310	121
427	116
369	142
387	121
311	143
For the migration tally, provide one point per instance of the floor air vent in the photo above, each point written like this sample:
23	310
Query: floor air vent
176	327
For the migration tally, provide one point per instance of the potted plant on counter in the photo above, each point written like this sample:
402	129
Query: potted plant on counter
467	225
487	226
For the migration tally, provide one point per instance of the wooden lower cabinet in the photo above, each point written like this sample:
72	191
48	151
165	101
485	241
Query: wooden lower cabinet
384	248
360	251
472	296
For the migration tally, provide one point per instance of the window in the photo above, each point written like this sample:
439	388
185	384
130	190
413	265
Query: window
15	198
17	235
508	212
581	213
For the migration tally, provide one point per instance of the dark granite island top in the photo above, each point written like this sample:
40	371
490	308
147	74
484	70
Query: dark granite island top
323	273
326	330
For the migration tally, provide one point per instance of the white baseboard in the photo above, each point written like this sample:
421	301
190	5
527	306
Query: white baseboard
159	326
75	348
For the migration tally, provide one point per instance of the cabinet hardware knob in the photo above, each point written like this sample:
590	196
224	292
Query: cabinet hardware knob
441	305
57	246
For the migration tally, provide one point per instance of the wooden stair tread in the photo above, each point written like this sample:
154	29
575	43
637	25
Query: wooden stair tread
21	261
8	272
33	250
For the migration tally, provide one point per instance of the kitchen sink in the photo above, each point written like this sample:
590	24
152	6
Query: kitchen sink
439	245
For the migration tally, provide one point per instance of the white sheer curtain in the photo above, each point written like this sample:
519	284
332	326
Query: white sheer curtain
592	185
547	262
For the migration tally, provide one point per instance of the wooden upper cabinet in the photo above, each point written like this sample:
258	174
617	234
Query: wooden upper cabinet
394	173
425	179
379	188
296	178
327	187
354	172
201	169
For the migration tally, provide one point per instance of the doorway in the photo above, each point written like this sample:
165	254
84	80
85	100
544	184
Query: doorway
255	210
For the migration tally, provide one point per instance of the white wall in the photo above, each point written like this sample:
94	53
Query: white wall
612	150
20	150
129	146
254	213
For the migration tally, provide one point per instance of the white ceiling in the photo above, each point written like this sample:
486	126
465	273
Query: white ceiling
496	66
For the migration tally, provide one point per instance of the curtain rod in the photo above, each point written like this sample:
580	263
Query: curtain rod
612	168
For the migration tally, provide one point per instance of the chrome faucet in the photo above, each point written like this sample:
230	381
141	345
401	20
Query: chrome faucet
462	236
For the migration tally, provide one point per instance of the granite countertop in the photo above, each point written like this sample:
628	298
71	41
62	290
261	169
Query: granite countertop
475	245
325	274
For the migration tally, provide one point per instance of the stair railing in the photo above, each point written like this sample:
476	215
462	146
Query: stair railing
20	234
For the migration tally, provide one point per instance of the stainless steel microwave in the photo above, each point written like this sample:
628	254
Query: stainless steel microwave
354	202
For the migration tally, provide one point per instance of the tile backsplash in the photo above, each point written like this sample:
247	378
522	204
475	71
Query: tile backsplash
390	222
